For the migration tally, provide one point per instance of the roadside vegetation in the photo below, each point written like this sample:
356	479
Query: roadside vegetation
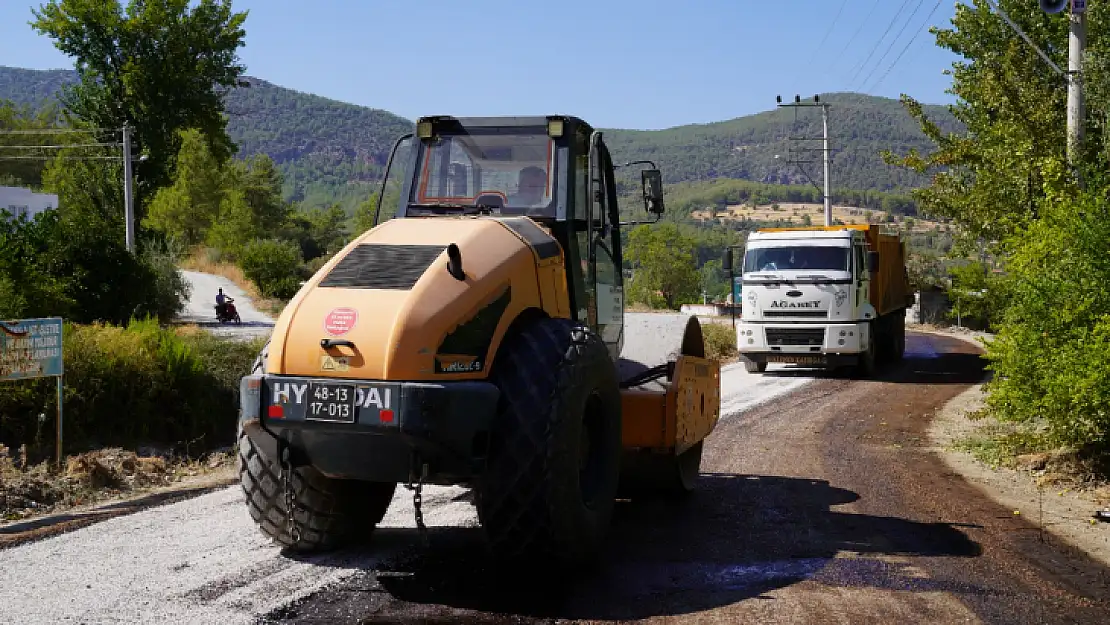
145	402
1007	185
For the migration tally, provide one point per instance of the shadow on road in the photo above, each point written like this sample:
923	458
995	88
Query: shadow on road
216	324
737	537
929	359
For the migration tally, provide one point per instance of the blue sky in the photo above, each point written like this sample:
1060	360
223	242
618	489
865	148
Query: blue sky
617	63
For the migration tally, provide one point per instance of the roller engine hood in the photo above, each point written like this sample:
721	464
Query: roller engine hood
391	310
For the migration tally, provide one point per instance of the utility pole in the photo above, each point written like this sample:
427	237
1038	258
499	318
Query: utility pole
825	151
1077	39
128	191
827	191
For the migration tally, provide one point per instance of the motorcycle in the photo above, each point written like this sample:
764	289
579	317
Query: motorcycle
228	314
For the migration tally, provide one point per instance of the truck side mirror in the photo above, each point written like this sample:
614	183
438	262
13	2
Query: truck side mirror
872	262
653	191
726	259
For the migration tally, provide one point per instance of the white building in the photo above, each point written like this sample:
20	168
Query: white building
19	201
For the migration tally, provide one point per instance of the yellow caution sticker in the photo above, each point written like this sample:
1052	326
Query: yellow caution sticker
334	363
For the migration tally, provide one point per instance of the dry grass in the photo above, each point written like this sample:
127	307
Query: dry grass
794	211
206	260
32	490
720	341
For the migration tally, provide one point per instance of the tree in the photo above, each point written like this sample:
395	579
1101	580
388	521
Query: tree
160	66
990	179
665	270
27	172
188	208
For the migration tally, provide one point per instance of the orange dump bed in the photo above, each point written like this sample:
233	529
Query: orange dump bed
890	289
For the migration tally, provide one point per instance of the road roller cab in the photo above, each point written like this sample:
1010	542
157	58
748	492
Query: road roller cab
478	338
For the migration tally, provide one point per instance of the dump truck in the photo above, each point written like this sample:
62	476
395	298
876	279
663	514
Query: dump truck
832	296
479	338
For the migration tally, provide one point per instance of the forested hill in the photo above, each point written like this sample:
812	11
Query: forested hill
332	151
860	128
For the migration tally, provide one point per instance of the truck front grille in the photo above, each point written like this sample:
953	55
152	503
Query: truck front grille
797	314
795	336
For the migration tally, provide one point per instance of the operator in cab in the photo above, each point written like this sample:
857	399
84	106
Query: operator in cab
532	182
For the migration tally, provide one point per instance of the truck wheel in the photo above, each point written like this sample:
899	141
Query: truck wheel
752	366
866	366
549	486
329	512
899	338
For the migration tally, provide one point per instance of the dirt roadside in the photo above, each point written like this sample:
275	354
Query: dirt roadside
105	506
1063	513
122	493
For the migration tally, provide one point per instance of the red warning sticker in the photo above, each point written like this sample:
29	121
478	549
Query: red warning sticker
340	321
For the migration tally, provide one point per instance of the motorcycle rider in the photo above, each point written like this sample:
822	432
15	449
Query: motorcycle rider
221	303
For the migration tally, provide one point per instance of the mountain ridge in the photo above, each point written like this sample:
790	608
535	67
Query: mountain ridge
331	151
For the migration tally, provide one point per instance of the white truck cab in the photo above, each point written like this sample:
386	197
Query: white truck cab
820	297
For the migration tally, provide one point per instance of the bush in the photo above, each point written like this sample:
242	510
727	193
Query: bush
128	386
1051	357
275	266
720	340
74	265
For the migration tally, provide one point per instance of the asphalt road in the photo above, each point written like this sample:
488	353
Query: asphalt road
819	502
822	506
201	308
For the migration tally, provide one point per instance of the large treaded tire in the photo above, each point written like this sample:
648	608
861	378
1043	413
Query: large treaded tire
558	385
330	513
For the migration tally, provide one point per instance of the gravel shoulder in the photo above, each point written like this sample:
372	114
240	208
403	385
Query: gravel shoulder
1063	513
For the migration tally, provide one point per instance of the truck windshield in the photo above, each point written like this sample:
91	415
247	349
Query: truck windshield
506	171
800	257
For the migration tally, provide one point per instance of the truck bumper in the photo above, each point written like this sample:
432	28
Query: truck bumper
802	343
371	430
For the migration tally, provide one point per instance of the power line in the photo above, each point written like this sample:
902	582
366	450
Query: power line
920	29
60	147
852	38
54	131
828	32
890	47
877	43
60	156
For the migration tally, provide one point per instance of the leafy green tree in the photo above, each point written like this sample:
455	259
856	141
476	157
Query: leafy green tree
261	184
274	265
188	208
364	212
27	172
990	178
160	65
1051	357
665	270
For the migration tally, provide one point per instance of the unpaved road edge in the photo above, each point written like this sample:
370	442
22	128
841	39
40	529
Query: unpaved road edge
1064	514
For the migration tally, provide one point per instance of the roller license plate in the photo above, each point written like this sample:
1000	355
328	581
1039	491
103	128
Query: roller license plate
329	401
797	359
